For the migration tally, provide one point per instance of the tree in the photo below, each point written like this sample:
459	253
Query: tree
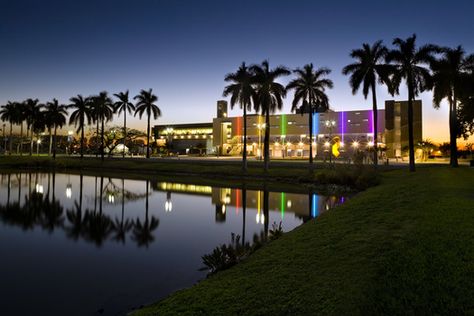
450	73
56	117
123	105
9	113
369	69
310	91
268	97
80	115
32	109
146	104
103	112
409	65
242	92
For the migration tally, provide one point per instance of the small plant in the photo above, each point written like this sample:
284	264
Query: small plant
276	231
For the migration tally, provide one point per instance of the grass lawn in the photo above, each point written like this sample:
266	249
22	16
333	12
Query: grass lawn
405	247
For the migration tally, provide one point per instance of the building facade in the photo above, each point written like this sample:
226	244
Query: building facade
289	133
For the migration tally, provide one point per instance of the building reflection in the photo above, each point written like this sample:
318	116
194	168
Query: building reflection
37	206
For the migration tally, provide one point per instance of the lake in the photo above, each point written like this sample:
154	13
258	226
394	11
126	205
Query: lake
94	245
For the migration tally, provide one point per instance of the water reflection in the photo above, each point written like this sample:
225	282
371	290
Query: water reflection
106	232
41	208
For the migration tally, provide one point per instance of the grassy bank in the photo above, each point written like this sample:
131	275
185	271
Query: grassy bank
281	176
404	247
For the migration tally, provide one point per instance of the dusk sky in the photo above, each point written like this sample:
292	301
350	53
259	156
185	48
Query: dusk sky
183	49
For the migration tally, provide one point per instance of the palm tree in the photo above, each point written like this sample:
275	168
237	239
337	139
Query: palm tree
242	92
9	113
32	112
268	97
56	114
80	115
369	69
103	112
409	65
123	105
146	103
310	90
449	76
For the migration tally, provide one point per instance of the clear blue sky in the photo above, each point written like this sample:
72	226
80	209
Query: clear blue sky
183	49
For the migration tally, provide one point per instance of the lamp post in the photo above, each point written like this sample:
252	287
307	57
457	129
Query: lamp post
38	142
69	141
330	124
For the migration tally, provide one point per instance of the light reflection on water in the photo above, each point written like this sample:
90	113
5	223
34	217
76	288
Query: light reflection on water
84	245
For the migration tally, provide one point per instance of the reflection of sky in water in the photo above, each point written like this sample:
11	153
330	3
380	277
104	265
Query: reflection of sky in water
60	275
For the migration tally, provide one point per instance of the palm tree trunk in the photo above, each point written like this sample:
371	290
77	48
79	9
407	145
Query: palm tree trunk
148	136
266	141
54	141
31	141
82	136
375	118
102	141
124	130
50	141
19	148
244	154
411	144
97	138
453	132
11	138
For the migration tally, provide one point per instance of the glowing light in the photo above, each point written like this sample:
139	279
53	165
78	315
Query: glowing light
111	198
68	191
283	123
168	206
39	141
341	144
300	144
315	127
277	144
370	144
223	209
39	188
355	144
288	204
326	144
314	205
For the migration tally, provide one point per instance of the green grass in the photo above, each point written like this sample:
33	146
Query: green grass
405	247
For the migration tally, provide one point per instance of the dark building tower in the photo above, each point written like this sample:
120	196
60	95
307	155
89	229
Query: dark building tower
396	126
221	108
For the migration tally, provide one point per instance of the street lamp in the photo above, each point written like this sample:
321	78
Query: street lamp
330	124
69	141
38	142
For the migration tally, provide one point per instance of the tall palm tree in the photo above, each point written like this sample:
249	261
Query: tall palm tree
146	104
9	113
450	73
32	112
103	112
56	114
310	91
268	97
80	115
242	92
369	69
410	65
123	105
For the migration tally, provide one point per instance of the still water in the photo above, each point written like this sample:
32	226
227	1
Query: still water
86	245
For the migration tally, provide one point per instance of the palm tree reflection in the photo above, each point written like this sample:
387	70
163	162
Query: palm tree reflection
143	232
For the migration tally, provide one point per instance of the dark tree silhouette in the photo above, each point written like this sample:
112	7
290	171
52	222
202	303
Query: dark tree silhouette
241	91
268	98
80	115
409	63
369	69
310	92
146	104
123	105
450	75
56	117
103	112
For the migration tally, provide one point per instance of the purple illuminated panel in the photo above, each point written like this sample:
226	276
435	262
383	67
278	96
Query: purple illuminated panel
342	125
